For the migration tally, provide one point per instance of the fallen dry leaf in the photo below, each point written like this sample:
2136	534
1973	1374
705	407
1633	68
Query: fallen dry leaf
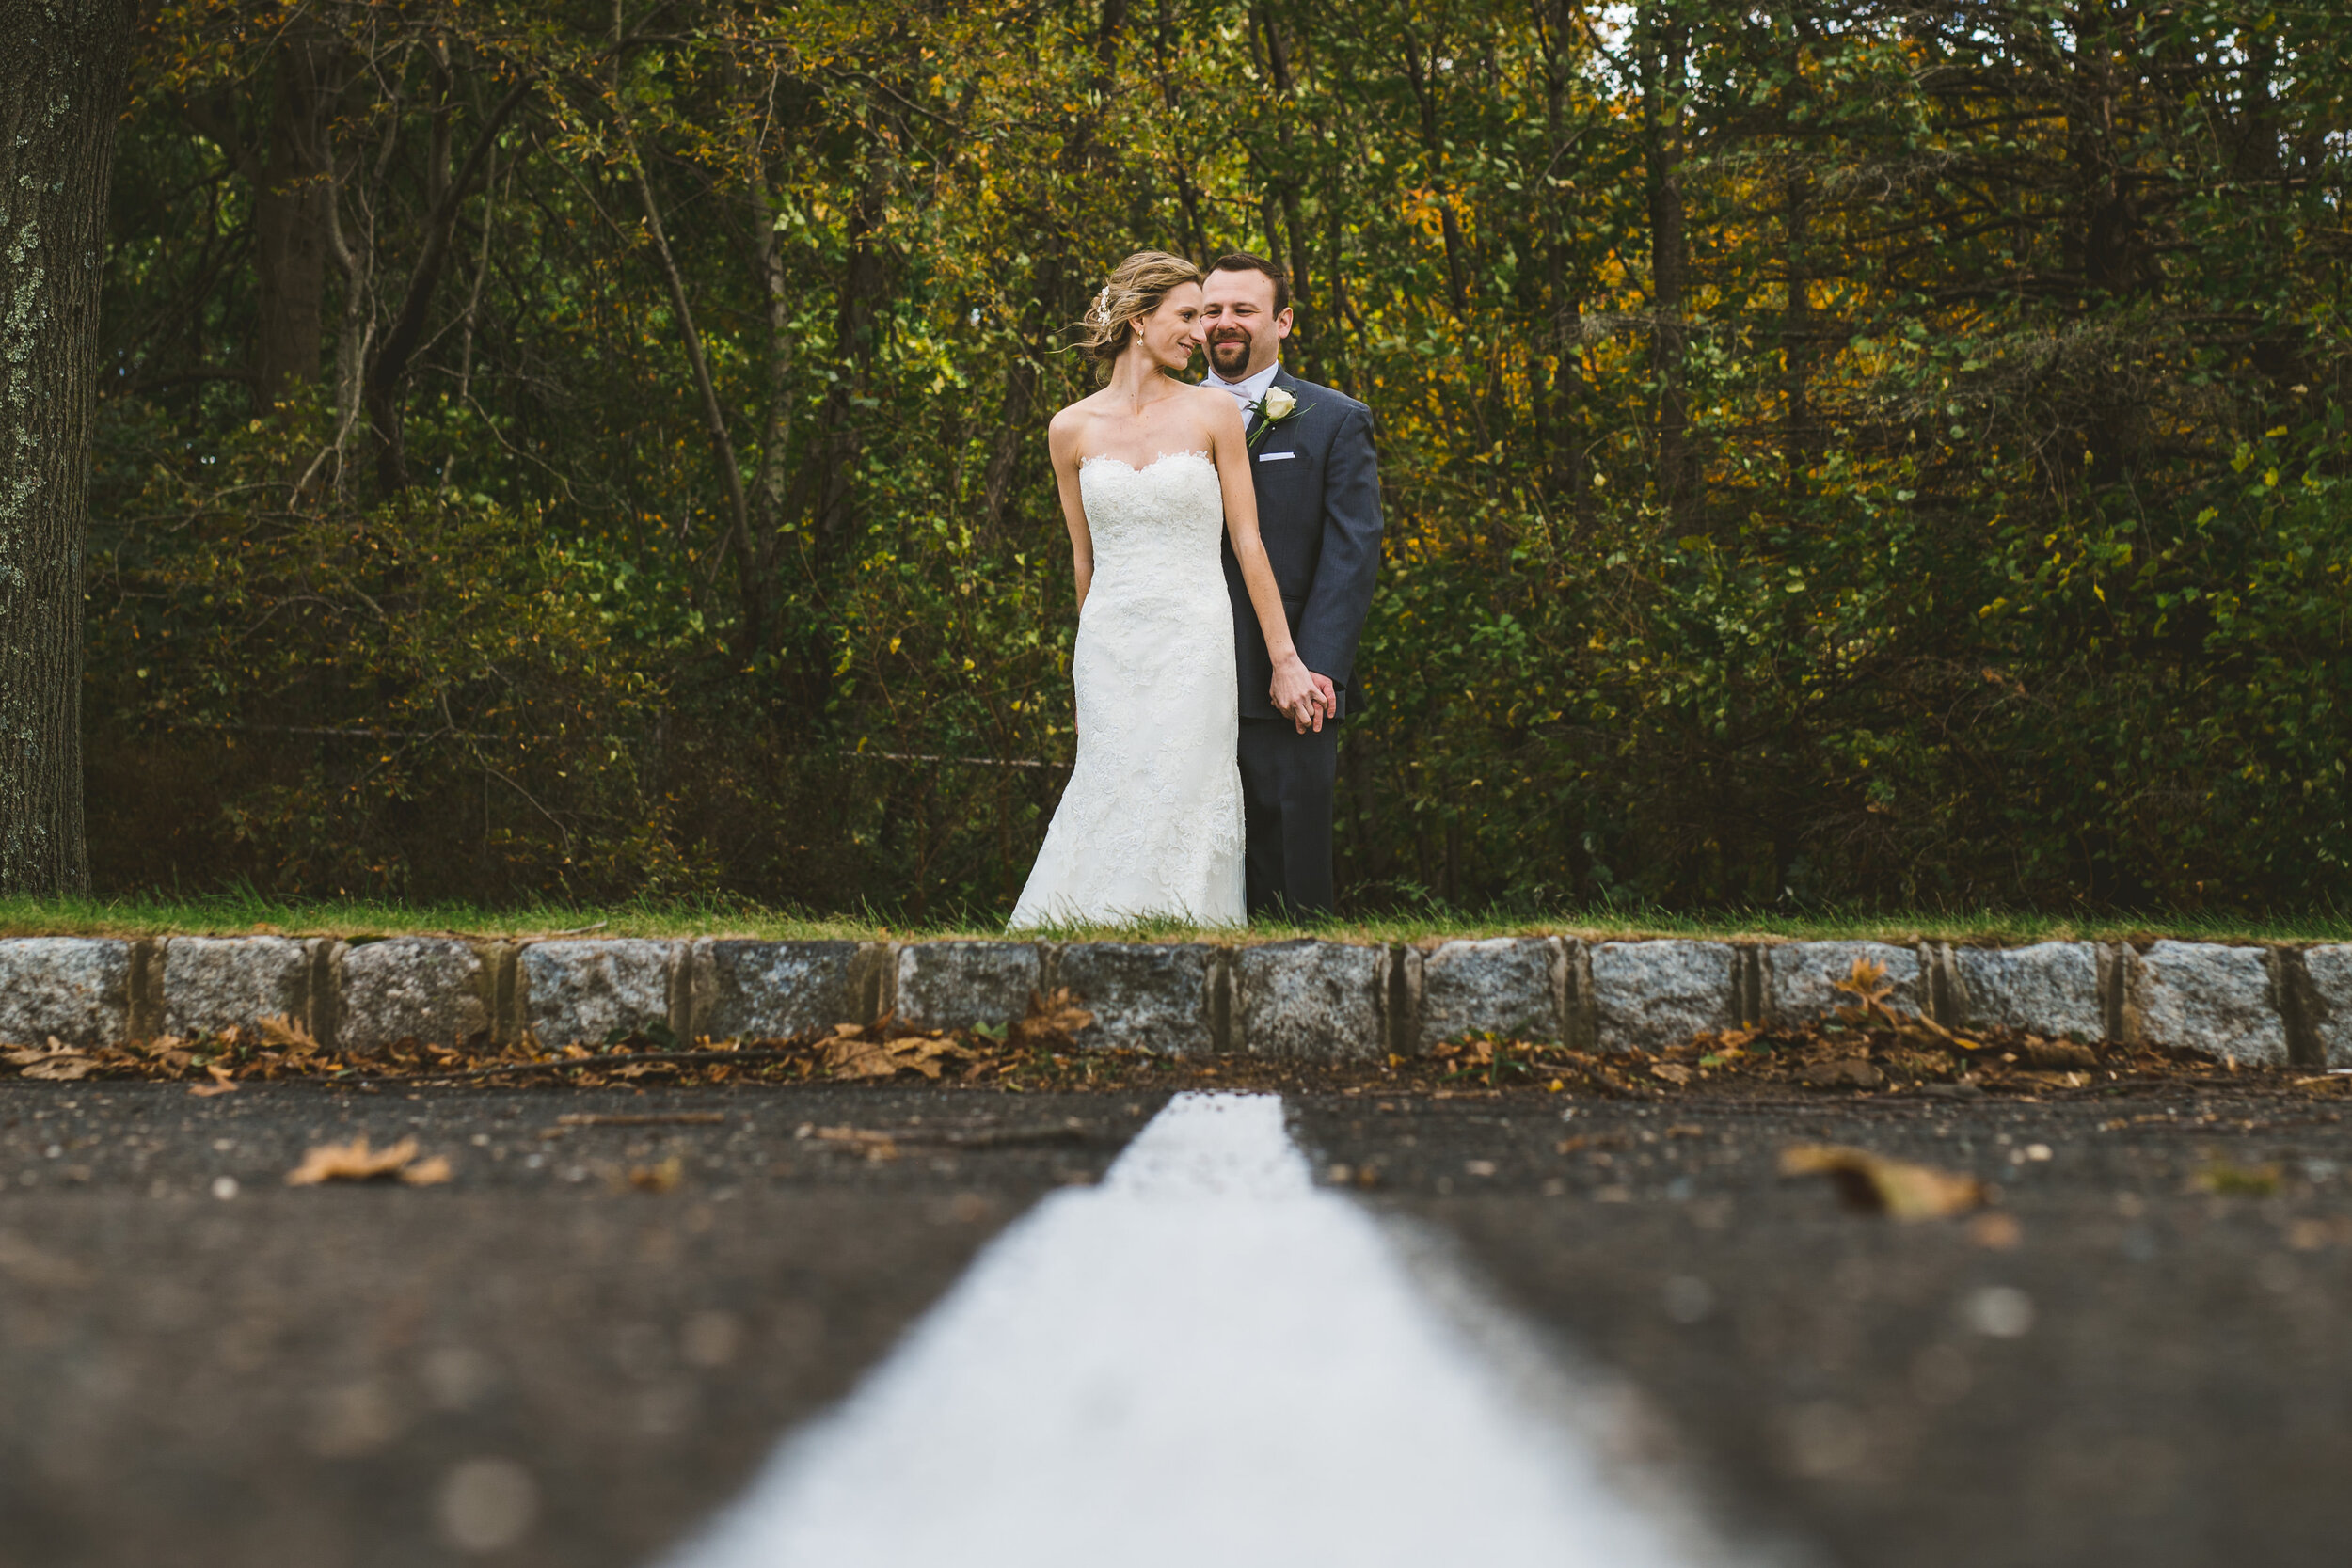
355	1162
876	1146
1867	984
852	1056
223	1083
656	1179
57	1063
1997	1232
2059	1055
62	1068
427	1173
1853	1073
870	1054
287	1034
1878	1185
1052	1023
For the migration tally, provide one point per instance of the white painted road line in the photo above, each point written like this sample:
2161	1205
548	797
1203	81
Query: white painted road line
1204	1361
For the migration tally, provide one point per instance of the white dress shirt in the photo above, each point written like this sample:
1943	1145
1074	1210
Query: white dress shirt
1244	393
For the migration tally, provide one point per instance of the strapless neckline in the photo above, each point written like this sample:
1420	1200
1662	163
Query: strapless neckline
1085	463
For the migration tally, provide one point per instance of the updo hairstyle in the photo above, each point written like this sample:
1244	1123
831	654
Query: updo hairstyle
1134	290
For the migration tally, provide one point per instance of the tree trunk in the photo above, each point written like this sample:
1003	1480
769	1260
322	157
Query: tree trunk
1664	59
775	443
407	334
1559	396
857	325
1449	225
1025	375
62	71
1799	448
730	466
1306	329
290	218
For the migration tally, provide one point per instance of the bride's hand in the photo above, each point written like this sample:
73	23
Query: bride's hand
1296	695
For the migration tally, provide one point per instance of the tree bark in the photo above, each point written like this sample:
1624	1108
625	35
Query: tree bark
1025	375
775	444
1559	396
714	413
1665	56
1800	445
866	281
62	71
289	220
1306	329
1449	225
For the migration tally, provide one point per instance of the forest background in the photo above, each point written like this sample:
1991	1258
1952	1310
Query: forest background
1854	453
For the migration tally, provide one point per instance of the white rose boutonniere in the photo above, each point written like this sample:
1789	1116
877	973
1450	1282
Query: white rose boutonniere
1276	407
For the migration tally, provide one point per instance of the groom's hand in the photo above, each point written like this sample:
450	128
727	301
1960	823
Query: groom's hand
1318	705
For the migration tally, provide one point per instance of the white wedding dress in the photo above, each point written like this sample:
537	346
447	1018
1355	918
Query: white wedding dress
1150	824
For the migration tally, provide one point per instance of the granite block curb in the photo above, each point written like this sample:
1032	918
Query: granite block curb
744	990
1315	1000
1308	999
593	993
2051	988
1801	978
1650	994
211	984
1501	985
967	985
76	990
2325	994
1174	998
2220	999
439	990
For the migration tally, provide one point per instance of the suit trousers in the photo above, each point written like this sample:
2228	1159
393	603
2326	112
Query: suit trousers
1286	786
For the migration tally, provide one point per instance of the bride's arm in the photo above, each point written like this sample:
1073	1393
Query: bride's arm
1294	690
1061	441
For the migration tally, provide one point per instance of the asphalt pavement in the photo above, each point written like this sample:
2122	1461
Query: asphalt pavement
2137	1356
591	1336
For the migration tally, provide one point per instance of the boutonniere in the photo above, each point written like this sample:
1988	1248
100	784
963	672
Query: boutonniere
1276	407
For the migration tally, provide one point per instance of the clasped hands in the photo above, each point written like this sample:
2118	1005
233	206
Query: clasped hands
1304	697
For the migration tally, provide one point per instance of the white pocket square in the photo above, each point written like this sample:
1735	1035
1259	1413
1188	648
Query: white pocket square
1276	456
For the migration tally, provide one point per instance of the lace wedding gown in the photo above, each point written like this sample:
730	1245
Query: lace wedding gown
1151	822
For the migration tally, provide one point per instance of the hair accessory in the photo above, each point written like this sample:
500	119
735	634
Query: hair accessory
1103	306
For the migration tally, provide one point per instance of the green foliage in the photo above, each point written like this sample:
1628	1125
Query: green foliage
1950	517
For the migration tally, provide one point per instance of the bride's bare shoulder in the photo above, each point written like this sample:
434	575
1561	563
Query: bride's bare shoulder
1071	418
1213	406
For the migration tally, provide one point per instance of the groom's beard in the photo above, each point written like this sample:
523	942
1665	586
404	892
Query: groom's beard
1229	355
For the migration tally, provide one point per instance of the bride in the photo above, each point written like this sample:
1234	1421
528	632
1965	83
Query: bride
1150	471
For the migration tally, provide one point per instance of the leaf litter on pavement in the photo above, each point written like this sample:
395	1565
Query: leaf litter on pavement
355	1162
1876	1185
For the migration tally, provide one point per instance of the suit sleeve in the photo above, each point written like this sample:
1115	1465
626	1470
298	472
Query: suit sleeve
1333	619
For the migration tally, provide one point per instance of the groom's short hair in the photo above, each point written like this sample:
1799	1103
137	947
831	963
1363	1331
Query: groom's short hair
1244	261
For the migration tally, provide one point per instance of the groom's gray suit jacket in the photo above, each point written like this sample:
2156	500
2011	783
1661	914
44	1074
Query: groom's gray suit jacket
1319	513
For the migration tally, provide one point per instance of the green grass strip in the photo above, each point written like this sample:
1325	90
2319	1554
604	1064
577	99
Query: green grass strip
245	913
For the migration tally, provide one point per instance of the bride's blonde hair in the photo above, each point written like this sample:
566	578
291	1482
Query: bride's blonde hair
1134	290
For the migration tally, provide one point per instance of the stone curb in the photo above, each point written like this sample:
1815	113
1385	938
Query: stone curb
1302	1000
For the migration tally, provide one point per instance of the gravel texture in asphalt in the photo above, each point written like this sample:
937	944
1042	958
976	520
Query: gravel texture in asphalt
2137	1356
541	1361
589	1337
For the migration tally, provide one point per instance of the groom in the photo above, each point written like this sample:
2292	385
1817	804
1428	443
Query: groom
1319	513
